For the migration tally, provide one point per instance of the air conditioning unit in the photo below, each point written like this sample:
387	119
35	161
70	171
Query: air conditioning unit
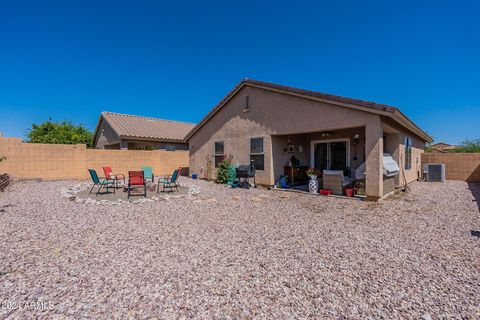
434	172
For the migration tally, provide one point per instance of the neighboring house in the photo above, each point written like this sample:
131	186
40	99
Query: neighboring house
124	131
442	147
270	123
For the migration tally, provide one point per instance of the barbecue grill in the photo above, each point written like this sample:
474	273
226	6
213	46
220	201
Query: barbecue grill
244	173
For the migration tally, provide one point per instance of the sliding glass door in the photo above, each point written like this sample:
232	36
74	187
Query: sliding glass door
330	154
320	156
338	155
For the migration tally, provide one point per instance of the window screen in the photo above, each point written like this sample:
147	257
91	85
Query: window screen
219	154
256	153
408	153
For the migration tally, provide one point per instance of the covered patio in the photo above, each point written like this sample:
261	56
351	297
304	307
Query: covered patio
333	150
293	154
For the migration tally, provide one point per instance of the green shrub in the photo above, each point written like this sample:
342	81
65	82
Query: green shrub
468	146
63	132
223	170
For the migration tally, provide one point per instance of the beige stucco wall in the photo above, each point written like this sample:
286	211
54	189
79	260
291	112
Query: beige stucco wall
56	162
105	136
396	147
418	148
271	114
235	133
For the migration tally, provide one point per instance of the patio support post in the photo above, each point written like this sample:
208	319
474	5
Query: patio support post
374	160
393	141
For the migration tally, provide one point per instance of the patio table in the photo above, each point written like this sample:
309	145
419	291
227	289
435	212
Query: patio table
115	176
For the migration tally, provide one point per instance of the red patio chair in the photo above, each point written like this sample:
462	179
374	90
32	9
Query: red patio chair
136	178
179	175
115	178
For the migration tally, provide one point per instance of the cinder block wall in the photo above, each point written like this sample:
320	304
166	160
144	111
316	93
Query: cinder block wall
458	166
122	161
56	161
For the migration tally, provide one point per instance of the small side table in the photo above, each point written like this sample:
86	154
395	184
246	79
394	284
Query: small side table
116	177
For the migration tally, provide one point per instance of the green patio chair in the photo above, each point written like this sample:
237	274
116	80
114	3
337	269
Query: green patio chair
169	182
148	172
96	182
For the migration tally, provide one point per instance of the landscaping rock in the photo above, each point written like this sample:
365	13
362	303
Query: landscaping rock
301	257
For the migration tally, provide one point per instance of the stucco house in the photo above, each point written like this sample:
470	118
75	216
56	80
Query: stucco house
125	131
442	147
270	123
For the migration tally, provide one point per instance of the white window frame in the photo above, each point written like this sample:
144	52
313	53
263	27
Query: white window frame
312	151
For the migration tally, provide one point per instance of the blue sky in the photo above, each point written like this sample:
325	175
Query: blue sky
177	59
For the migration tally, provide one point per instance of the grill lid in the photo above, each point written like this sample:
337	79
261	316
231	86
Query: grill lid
390	168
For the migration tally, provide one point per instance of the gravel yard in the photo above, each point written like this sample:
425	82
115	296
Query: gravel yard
229	253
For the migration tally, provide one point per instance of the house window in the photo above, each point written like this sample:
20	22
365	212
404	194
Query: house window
219	153
408	153
169	147
256	153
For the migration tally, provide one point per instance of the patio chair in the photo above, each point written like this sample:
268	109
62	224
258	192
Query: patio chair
335	181
96	182
168	182
148	172
113	177
136	179
179	175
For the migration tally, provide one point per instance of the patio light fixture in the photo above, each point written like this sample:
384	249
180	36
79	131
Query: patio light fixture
356	137
326	134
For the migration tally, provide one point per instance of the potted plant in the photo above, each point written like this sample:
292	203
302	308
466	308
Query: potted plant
312	173
313	183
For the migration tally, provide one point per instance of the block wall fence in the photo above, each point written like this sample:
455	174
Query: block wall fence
61	161
458	166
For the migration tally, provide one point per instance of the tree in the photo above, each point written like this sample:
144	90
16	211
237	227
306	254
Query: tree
63	132
468	146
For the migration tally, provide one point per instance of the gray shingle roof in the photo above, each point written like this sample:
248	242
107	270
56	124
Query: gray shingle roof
130	126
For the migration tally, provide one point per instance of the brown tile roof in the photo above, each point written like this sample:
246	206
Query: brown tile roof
443	146
366	105
130	126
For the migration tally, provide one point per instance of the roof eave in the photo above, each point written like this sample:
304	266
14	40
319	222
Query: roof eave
125	137
403	120
388	111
